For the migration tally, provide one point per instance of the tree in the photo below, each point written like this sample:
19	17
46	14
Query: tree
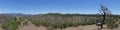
104	11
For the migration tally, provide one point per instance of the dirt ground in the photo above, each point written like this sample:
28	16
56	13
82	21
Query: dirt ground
88	27
33	27
1	28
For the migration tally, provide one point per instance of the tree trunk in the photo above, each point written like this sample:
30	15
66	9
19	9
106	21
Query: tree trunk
103	22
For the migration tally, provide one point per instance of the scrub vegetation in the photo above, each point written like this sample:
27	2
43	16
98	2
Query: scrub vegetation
60	21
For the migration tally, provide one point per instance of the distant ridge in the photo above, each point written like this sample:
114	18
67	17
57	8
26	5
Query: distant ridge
17	14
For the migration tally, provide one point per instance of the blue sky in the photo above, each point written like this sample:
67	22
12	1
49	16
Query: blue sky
58	6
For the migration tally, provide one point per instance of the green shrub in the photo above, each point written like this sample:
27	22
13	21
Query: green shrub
86	22
36	23
5	25
25	23
49	28
112	26
61	25
13	23
112	23
14	26
44	23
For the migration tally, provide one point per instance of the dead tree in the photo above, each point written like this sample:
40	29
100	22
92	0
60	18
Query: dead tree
104	12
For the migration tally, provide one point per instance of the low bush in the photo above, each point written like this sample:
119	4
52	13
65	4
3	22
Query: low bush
5	25
13	24
36	23
111	23
25	23
61	25
112	26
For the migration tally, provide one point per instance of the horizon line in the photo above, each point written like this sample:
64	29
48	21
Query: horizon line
54	12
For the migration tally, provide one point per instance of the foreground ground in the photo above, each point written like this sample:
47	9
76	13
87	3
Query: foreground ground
88	27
